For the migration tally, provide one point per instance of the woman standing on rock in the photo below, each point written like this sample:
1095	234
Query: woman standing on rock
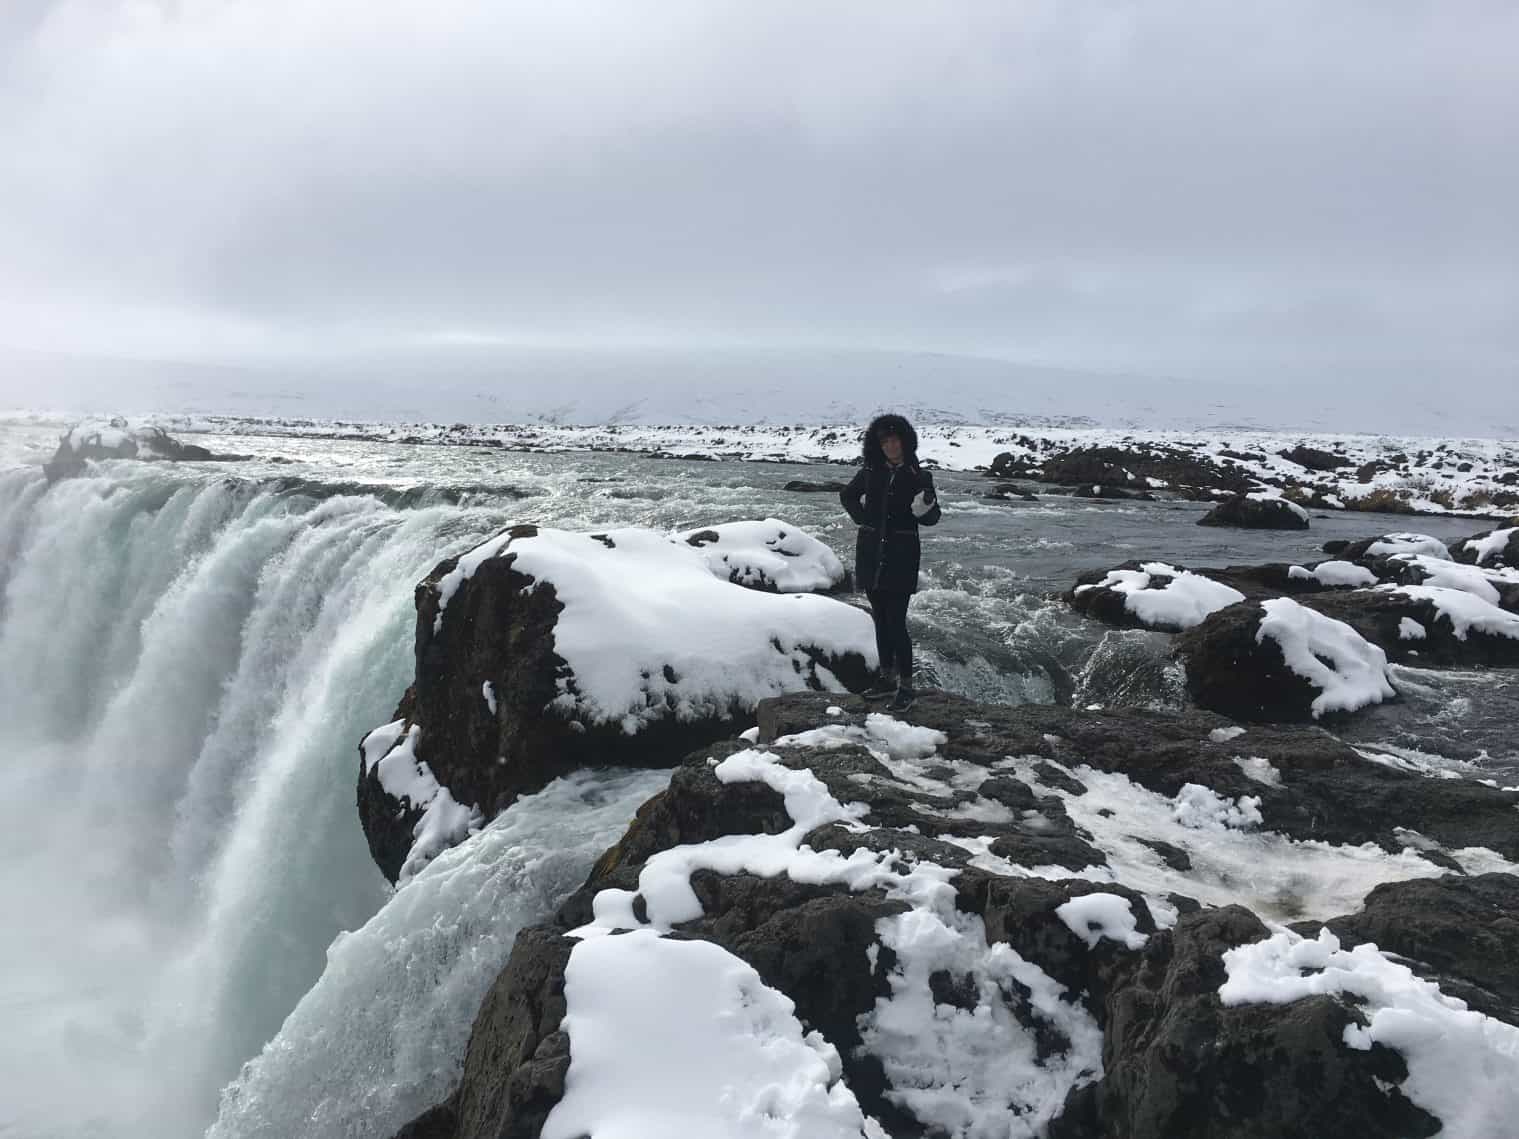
889	498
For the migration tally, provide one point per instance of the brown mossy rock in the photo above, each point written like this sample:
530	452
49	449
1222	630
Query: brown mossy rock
1179	1064
1255	514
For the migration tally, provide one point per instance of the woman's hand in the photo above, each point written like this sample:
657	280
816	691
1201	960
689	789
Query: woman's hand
923	503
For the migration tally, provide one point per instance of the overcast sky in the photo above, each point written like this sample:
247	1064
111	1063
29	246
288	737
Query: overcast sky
1320	192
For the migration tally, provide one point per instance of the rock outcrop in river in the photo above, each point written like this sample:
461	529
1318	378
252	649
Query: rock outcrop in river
1287	642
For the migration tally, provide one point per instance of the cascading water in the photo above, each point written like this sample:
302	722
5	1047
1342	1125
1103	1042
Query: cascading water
186	665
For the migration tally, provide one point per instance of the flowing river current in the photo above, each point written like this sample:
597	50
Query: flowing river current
189	655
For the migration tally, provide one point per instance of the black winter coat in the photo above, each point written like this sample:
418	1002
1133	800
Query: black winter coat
887	551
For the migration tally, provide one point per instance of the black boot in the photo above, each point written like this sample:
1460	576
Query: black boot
903	700
883	687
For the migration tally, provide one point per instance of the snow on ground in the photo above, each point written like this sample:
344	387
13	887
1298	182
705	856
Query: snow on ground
675	1037
647	629
390	752
1092	917
1180	603
1445	574
1492	545
1423	473
1334	573
1348	670
1271	874
971	1072
769	554
1406	543
1463	1067
1198	808
1463	610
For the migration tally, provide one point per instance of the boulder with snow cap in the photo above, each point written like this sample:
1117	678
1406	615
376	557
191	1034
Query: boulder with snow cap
542	651
1178	1063
1314	458
769	555
1492	548
861	926
1428	625
1253	512
117	439
1278	661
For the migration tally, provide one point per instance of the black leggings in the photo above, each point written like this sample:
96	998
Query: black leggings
889	611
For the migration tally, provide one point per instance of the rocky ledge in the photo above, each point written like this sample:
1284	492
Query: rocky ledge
1286	642
543	651
1017	922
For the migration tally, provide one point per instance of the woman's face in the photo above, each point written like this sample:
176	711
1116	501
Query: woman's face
891	447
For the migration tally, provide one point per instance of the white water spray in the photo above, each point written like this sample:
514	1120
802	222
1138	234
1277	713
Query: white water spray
186	665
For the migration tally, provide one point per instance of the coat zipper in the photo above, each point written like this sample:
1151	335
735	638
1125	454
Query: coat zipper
881	537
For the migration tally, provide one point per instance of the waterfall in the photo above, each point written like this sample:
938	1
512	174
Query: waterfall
187	662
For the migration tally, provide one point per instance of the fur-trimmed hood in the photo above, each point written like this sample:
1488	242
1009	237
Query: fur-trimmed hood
891	424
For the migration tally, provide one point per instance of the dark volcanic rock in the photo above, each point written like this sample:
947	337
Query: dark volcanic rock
118	441
1176	1060
1256	514
1179	1064
1502	553
1008	490
500	629
802	486
1378	616
1314	459
1458	931
1233	670
1135	466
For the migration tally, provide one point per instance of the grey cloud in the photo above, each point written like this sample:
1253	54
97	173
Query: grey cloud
1237	192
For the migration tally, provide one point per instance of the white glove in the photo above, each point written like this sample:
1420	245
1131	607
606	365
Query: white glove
923	503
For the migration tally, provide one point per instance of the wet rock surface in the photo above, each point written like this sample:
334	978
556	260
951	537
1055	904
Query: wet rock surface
1010	782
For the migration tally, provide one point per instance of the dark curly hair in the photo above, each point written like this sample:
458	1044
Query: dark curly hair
892	424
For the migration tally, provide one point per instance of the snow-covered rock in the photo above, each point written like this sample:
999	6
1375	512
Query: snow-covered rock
119	439
1257	512
1153	595
987	922
1277	660
769	555
1498	547
618	648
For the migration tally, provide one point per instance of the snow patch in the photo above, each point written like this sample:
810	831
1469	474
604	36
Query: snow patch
1334	574
1260	769
672	1037
1348	670
1182	602
1411	630
1092	917
444	822
770	554
1492	545
1462	1065
1405	543
1463	610
1199	807
1224	735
